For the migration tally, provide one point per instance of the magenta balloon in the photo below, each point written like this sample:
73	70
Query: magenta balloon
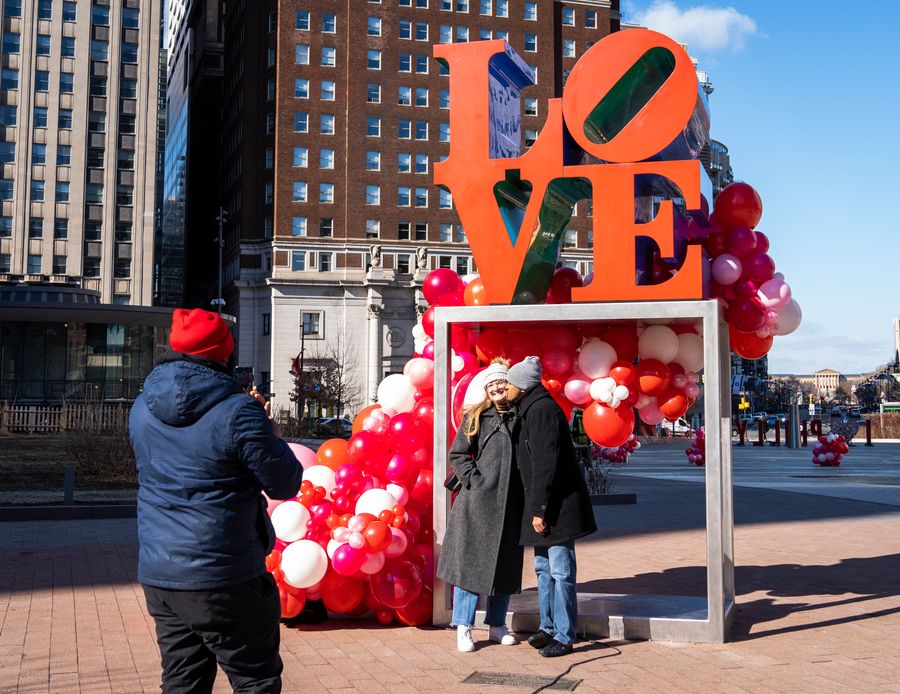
740	241
401	469
405	433
759	267
348	474
428	350
745	314
442	286
347	560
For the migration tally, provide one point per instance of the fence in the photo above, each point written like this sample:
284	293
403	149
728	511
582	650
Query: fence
52	419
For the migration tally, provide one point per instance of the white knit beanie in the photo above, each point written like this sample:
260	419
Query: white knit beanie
494	372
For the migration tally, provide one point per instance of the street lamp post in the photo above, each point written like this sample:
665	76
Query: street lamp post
221	218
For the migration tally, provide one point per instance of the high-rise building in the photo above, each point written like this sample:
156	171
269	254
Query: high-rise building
897	341
78	119
334	116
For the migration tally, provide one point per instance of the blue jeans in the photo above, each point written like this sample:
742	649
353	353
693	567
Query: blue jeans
465	604
555	569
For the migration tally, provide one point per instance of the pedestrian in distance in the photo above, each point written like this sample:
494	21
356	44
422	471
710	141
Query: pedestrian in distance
557	505
205	451
481	554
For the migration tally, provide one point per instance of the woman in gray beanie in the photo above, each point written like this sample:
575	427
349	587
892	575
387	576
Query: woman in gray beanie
481	554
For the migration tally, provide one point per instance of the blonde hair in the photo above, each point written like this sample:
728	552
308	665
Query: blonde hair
474	413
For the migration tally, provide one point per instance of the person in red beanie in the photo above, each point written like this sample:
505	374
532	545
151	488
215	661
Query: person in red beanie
205	452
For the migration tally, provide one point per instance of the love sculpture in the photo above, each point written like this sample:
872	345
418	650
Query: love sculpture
629	128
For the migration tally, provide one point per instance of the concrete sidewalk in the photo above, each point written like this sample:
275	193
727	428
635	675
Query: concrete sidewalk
817	578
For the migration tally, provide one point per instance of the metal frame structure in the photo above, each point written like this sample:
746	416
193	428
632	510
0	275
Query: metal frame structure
657	617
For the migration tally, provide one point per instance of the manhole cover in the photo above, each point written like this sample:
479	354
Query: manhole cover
511	679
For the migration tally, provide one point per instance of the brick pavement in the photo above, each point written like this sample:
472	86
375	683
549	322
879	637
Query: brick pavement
818	608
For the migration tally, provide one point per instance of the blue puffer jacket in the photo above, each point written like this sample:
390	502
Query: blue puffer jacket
204	453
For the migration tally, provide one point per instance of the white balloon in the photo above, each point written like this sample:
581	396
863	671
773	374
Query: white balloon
304	563
822	458
621	392
789	317
596	358
399	493
375	501
373	564
289	520
397	392
332	547
602	389
418	332
320	476
470	277
690	351
658	342
475	390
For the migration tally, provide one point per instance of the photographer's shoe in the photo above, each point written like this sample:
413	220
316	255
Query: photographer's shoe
556	649
540	639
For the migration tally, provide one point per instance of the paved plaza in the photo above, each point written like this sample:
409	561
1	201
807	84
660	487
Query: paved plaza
817	579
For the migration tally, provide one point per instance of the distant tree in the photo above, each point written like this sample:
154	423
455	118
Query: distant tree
328	380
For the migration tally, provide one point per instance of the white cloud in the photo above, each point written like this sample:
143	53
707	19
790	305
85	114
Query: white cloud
704	28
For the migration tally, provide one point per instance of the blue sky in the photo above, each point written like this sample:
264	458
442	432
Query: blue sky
806	99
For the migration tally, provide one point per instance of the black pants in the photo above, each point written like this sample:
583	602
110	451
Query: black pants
236	626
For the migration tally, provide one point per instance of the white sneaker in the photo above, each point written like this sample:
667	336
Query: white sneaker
464	641
502	636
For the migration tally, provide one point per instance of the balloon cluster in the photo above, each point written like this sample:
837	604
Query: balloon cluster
359	534
696	452
758	302
829	450
619	455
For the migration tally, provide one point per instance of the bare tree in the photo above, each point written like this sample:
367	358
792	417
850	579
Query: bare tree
329	378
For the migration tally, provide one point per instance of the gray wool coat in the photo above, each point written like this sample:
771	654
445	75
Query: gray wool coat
481	551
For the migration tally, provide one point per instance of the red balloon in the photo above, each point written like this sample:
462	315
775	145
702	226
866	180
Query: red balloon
652	378
443	287
491	343
428	323
673	404
417	612
384	615
405	433
459	338
360	418
562	401
749	345
563	339
607	426
745	314
556	362
762	242
397	584
424	410
341	593
291	603
475	294
759	267
332	453
624	373
624	340
561	284
520	344
369	451
423	489
715	244
378	535
741	241
738	205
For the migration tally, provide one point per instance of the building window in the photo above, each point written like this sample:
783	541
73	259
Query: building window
329	56
122	268
530	137
270	124
298	226
70	11
460	234
129	53
301	88
502	34
421	199
422	96
485	8
37	191
326	193
268	226
404	30
35	227
266	323
40	117
404	196
421	129
91	267
270	56
444	262
5	262
422	4
568	17
404	162
444	98
8	115
530	11
329	22
373	126
64	120
62	191
404	63
421	231
11	42
531	106
462	34
445	34
462	5
270	90
373	161
404	129
99	51
327	90
41	81
373	228
531	42
373	60
326	158
59	265
444	132
302	22
445	232
269	194
301	157
128	89
42	44
301	54
485	34
326	226
421	31
373	194
310	323
373	94
38	153
421	163
301	122
568	48
6	191
67	47
130	18
374	26
270	157
445	199
9	79
404	96
326	124
298	261
299	191
590	19
34	265
403	264
60	228
403	231
273	21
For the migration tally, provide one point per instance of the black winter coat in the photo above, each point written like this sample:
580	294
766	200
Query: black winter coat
554	484
481	551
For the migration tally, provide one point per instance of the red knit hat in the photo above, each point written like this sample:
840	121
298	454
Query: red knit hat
201	333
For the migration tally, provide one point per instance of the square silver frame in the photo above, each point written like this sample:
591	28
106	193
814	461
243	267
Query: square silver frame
655	617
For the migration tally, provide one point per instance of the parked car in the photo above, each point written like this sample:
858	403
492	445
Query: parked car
772	418
679	427
334	426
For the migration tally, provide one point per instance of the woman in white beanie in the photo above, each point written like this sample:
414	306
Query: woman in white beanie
481	554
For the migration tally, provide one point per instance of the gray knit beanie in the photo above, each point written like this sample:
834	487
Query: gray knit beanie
526	374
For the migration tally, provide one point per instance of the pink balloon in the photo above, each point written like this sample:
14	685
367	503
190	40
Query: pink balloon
470	364
305	456
428	350
727	269
420	372
271	503
373	564
557	362
692	391
399	543
774	293
356	540
341	534
578	389
650	414
348	474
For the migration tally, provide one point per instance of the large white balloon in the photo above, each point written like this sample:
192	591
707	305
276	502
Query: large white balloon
320	476
289	520
690	351
397	392
374	501
789	317
658	342
595	359
304	563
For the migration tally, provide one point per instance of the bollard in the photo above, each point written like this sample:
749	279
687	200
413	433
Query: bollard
805	433
742	430
777	441
869	432
69	486
794	424
815	427
761	438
